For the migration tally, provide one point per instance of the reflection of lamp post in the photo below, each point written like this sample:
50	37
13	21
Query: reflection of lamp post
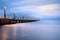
14	32
5	12
4	33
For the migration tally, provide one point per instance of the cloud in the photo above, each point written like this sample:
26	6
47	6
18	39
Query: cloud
50	10
38	8
30	2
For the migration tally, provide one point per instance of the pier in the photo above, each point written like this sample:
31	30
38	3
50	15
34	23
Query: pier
14	20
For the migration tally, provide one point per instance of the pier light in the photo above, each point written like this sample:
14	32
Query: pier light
4	7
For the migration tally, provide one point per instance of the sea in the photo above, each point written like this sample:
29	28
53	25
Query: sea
40	30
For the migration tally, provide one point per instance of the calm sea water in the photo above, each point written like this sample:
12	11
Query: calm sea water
41	30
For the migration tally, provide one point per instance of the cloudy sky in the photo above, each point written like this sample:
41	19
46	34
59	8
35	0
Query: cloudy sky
32	8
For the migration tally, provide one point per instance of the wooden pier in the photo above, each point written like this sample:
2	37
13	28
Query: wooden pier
14	21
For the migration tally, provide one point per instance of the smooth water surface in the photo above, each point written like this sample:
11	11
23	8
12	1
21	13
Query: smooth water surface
41	30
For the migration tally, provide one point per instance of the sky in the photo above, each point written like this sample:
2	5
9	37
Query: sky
31	8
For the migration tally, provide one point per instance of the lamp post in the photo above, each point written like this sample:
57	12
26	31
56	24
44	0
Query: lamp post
5	12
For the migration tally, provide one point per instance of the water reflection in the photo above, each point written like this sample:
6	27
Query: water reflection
4	33
8	32
31	31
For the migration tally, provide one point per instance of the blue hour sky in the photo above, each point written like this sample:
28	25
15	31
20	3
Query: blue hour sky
32	8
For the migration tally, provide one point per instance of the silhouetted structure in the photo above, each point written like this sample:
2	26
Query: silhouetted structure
5	12
14	15
14	20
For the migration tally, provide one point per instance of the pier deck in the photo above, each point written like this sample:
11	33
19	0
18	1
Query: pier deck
14	21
